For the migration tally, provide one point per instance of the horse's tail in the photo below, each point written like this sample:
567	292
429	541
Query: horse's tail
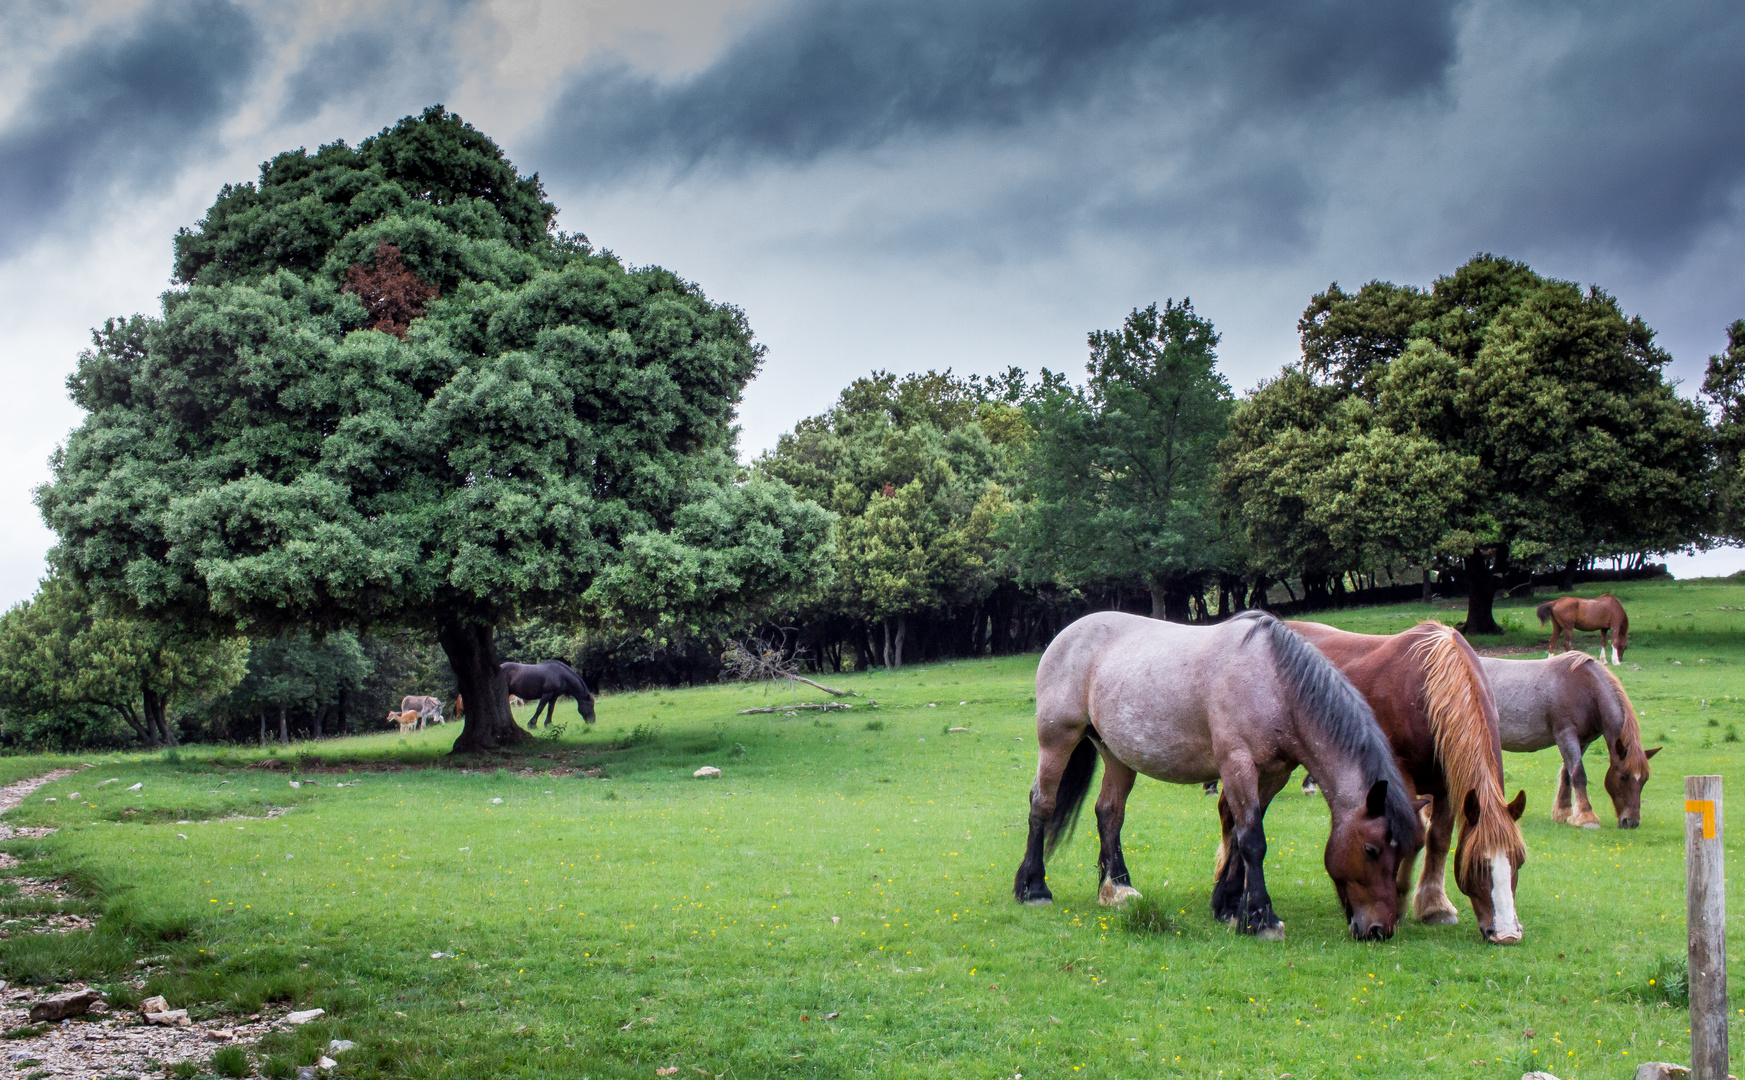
1339	709
1467	745
1075	782
1544	611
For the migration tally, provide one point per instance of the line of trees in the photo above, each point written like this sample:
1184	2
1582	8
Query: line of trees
391	426
1496	425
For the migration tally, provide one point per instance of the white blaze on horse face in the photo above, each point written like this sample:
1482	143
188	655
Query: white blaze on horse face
1506	927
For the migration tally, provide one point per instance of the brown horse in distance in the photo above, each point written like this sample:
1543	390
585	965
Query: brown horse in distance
1569	701
1604	613
1432	699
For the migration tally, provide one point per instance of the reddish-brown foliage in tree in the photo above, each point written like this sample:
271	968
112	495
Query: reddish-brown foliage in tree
392	294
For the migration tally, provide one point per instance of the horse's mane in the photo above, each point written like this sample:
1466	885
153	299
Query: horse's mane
1466	746
1629	729
1326	698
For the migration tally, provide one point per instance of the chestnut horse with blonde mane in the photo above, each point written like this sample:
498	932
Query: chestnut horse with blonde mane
1244	702
1432	699
1604	613
1569	701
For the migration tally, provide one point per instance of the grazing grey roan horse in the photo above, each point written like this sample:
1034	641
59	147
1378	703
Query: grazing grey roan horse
1569	701
1244	702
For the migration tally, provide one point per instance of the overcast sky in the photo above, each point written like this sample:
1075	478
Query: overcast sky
906	184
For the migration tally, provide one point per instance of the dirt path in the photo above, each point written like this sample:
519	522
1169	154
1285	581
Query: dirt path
18	791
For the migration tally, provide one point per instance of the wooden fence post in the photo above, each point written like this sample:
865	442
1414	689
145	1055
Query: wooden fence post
1705	892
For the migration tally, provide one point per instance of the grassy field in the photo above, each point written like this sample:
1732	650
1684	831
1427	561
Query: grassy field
839	902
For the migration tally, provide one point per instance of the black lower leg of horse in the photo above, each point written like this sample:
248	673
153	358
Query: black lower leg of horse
533	721
1230	882
1031	884
1255	913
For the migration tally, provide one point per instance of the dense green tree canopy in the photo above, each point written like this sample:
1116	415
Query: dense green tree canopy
256	456
1724	385
65	651
1514	419
919	470
1121	476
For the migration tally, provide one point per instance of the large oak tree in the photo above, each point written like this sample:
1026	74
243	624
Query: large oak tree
387	392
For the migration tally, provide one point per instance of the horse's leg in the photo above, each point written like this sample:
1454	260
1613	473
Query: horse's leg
1117	887
533	721
1031	884
1246	795
1582	813
1560	809
1432	904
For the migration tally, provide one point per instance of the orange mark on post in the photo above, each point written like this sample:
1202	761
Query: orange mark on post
1705	807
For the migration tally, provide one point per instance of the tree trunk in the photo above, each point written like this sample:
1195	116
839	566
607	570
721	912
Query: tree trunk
1567	583
1426	598
1159	599
472	653
263	730
344	719
1481	591
902	632
132	720
284	729
887	652
155	718
320	715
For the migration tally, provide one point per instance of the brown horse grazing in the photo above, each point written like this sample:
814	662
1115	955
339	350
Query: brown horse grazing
1432	699
1569	701
1244	702
1605	613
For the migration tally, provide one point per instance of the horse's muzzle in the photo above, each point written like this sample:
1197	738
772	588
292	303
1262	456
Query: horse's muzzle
1629	822
1372	932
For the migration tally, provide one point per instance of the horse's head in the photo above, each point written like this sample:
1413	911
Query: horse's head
1487	866
1364	856
393	717
1625	778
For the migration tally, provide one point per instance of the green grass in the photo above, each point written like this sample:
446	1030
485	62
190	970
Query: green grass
857	864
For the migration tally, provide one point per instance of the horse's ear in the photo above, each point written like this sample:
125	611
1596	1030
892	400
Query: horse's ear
1623	747
1651	753
1378	799
1519	805
1420	802
1469	809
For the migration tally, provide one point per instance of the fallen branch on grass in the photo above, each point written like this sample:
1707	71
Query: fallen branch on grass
825	706
753	661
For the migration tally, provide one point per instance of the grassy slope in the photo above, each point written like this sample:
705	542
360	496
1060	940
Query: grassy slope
606	927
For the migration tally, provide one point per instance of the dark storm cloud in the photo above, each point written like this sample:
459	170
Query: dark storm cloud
400	60
1631	136
852	74
123	107
1544	127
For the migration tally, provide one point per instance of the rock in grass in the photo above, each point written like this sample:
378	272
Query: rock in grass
61	1006
153	1004
339	1046
326	1063
1537	1076
305	1016
170	1018
220	1035
707	772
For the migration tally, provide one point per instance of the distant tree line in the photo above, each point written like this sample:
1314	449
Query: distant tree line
391	427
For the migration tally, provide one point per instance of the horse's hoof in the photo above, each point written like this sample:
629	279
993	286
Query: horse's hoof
1039	901
1440	917
1590	824
1271	933
1111	895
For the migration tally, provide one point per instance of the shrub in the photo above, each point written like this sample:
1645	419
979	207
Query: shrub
230	1061
1145	917
875	725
